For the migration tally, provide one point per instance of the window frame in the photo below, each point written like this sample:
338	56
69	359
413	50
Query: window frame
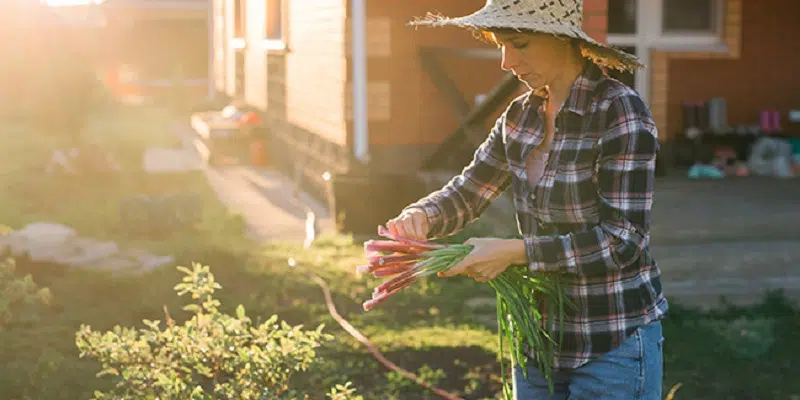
276	44
239	19
717	21
651	36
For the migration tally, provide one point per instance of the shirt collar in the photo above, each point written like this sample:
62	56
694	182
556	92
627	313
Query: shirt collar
581	94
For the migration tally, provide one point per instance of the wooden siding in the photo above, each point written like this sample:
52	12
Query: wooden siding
312	77
219	45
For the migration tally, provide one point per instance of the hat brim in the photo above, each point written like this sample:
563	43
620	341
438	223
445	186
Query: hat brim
599	53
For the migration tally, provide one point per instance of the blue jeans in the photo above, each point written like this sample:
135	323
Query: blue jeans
633	370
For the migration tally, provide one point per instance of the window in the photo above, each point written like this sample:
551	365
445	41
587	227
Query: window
638	26
274	20
690	16
239	19
621	16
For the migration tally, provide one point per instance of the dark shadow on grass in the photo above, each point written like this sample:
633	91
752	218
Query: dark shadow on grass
470	372
733	352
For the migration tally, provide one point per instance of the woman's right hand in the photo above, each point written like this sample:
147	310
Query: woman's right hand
411	223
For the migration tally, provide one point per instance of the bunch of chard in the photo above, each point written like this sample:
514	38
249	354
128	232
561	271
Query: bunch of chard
519	319
405	261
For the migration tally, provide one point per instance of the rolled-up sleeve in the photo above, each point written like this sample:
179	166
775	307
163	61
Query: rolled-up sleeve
625	178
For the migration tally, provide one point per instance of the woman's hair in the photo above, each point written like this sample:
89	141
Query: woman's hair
604	57
488	35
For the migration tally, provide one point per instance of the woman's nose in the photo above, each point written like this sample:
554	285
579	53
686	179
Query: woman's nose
509	58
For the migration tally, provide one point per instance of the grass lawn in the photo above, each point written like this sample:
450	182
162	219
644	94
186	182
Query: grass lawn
428	329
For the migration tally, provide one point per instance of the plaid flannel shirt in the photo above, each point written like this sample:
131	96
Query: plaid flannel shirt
589	214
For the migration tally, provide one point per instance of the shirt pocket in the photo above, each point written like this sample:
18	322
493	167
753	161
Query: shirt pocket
572	193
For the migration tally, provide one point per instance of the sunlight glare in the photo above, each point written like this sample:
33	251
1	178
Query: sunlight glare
70	3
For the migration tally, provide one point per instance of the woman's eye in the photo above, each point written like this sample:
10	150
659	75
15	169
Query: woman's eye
519	45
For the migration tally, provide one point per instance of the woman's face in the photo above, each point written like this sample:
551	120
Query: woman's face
536	59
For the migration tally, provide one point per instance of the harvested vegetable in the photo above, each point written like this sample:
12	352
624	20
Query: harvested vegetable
520	294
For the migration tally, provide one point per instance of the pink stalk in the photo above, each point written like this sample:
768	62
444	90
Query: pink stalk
394	270
369	304
375	267
383	286
362	269
402	284
382	231
379	261
405	281
378	246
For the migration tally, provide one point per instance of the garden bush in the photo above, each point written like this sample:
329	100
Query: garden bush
210	356
18	294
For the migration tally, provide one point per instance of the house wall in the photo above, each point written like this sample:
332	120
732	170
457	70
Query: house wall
301	88
229	59
762	76
307	93
409	114
219	45
306	84
316	68
255	58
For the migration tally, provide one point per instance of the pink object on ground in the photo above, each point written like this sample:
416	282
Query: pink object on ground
766	121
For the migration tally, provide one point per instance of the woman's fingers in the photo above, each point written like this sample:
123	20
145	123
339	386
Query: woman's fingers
549	122
409	228
410	224
420	229
396	227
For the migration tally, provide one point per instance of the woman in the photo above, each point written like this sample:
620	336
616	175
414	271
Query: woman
578	151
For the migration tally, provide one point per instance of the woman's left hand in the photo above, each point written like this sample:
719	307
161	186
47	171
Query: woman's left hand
488	258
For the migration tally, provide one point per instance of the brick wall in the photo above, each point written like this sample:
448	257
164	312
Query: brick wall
763	76
310	89
595	19
662	78
420	114
413	115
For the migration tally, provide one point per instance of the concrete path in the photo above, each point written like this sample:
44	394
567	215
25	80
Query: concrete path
266	199
711	211
735	238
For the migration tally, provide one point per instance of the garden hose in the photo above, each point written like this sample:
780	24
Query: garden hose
363	339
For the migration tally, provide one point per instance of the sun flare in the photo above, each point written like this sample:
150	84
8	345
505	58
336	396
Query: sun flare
69	3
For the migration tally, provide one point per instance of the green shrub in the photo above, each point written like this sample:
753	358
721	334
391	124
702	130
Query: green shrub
210	356
18	294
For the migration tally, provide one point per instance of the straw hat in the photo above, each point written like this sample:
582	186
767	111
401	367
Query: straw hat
562	18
